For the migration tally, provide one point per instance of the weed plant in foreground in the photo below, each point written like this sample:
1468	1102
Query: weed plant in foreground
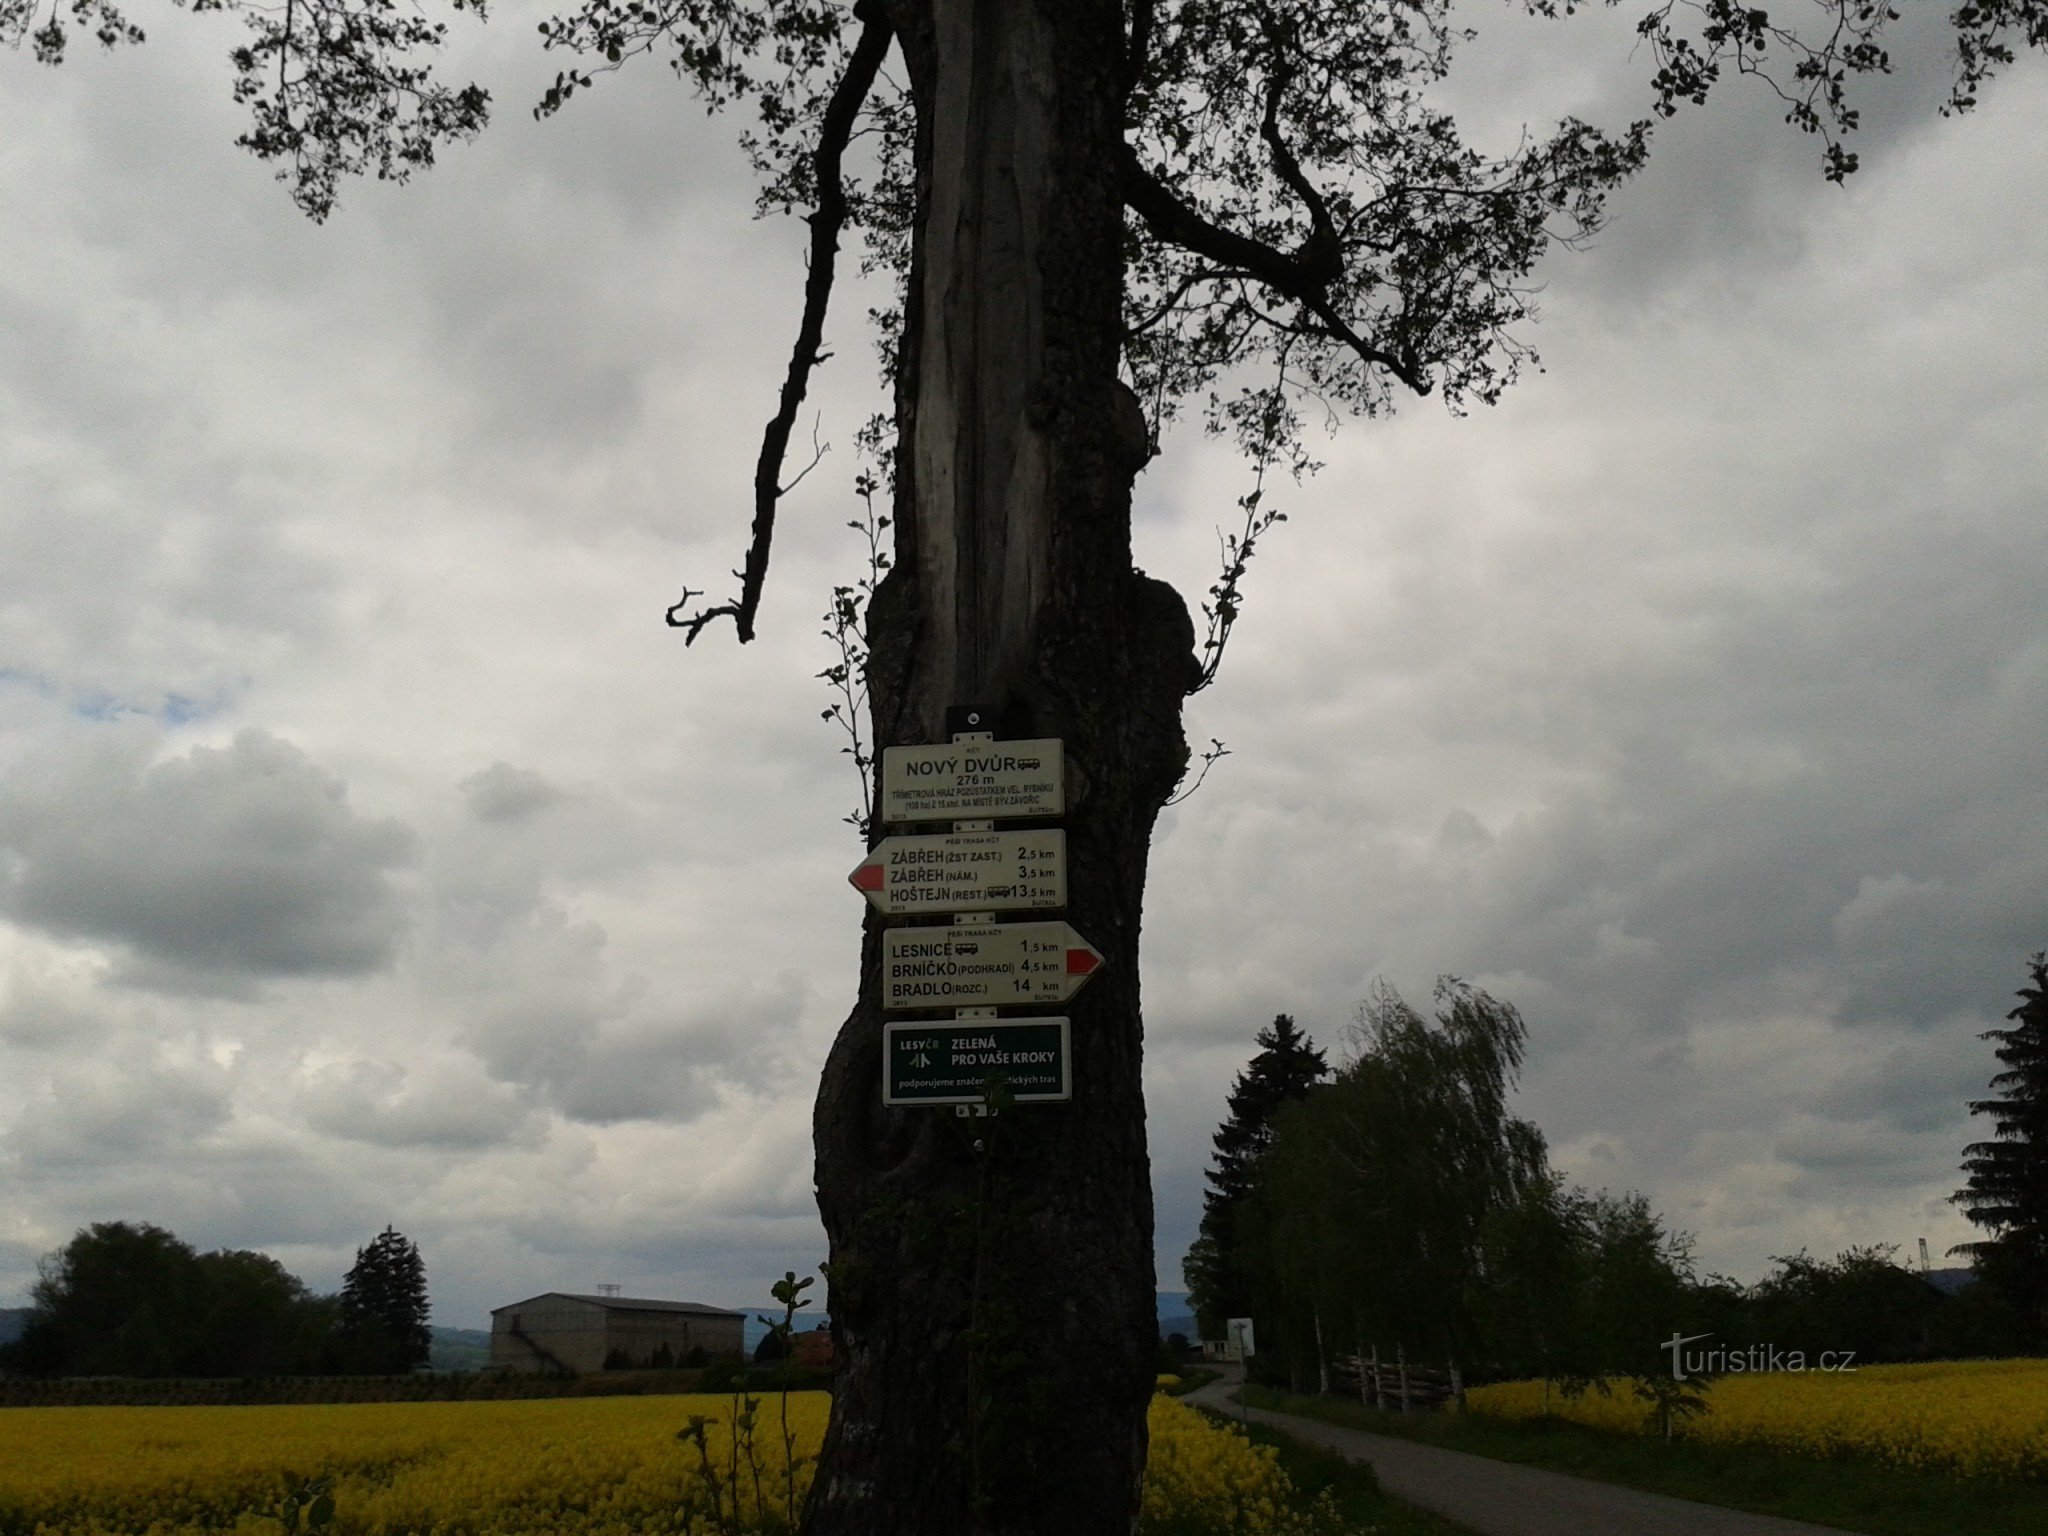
702	1465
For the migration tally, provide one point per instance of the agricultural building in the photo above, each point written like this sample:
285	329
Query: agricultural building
813	1351
562	1332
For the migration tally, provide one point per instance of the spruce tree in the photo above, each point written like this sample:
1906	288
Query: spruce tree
1285	1068
383	1322
2006	1192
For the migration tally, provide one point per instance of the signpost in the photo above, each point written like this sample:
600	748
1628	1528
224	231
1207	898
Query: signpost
974	779
975	965
952	1062
966	872
1239	1332
985	964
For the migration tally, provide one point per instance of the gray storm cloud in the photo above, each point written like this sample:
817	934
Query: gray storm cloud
239	863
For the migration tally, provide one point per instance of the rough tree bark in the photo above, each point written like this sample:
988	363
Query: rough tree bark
991	1278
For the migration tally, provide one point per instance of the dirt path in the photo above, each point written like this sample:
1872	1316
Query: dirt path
1501	1498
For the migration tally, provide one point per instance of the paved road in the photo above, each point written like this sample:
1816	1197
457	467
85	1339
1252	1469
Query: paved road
1500	1498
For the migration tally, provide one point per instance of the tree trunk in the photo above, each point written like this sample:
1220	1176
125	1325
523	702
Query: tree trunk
991	1284
1322	1358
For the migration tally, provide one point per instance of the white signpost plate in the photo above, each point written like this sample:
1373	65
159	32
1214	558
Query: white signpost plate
972	780
951	1062
966	872
985	965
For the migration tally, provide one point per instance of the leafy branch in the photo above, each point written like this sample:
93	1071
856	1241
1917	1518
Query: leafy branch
846	628
1209	759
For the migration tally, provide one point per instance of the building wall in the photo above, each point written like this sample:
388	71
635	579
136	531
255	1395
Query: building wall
572	1331
813	1351
639	1334
582	1335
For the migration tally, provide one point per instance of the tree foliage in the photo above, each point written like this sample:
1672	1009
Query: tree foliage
1401	1210
1385	1182
334	88
1286	1066
1861	1300
382	1324
124	1299
1404	1211
2006	1188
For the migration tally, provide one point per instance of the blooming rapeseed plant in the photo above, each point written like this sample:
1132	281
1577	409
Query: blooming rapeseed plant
1205	1479
605	1466
1976	1418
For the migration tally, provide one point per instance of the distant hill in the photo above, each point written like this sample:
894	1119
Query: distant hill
459	1349
1176	1316
11	1321
1949	1281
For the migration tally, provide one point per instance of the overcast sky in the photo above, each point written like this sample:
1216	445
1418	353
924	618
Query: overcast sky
370	853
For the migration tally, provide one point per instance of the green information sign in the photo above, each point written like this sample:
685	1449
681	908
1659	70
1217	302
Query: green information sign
952	1062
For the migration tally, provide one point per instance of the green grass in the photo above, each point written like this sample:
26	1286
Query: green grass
1351	1485
1854	1496
1192	1377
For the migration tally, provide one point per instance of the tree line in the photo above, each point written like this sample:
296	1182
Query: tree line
1396	1211
131	1299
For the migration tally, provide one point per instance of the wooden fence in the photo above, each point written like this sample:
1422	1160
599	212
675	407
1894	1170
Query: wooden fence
1395	1385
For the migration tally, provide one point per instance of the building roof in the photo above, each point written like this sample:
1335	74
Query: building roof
624	1304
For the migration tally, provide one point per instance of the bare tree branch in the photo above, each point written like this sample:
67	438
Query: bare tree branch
1320	255
1173	220
826	222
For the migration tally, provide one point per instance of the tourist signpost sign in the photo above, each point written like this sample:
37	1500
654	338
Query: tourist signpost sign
984	965
952	1061
974	965
974	780
966	872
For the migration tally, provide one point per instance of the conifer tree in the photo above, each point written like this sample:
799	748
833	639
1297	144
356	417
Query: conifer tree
1286	1067
2006	1193
383	1322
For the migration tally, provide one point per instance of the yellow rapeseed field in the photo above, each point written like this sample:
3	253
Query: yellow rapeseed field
1978	1418
607	1466
1204	1477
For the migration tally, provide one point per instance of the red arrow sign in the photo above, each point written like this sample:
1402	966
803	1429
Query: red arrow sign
972	965
1018	871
